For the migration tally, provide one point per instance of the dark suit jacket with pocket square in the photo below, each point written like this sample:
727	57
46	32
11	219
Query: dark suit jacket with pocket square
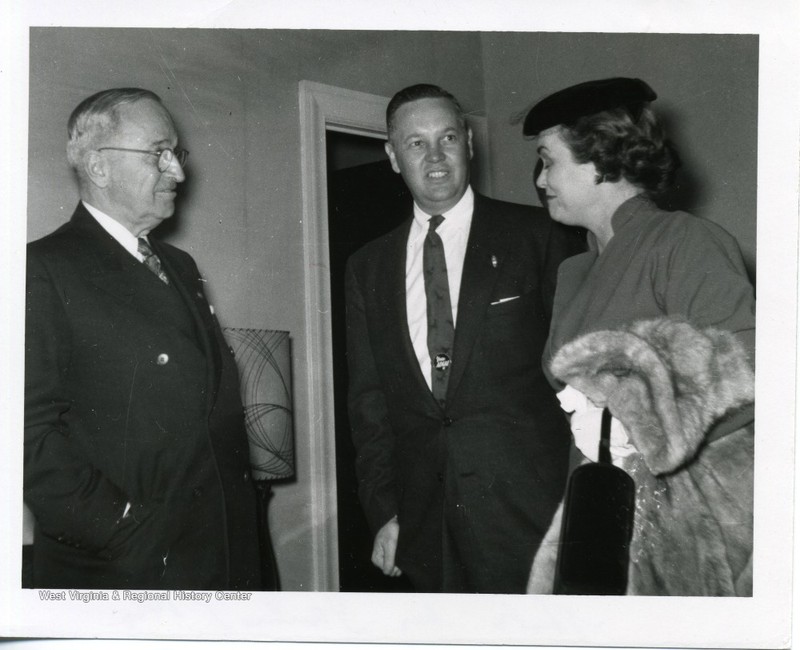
501	443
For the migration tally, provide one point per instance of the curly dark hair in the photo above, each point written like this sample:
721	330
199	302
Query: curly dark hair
623	146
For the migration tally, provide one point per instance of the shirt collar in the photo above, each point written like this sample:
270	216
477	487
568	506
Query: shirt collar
459	216
114	228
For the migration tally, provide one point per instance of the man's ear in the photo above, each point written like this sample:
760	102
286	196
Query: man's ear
392	158
469	141
96	167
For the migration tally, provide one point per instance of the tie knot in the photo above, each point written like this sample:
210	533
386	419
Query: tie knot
151	260
434	222
144	248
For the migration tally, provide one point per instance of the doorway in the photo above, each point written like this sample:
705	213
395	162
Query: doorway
366	199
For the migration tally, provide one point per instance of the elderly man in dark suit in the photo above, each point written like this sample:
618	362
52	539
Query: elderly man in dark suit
136	456
462	452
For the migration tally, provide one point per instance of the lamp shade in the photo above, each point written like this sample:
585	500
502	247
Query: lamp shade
264	361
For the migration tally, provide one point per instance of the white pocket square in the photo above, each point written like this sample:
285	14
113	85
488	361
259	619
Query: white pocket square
502	300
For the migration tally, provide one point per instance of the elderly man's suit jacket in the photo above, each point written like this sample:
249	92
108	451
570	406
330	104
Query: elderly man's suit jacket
501	443
131	396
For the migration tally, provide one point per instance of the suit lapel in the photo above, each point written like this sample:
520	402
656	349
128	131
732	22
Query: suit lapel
109	266
396	308
189	288
486	249
112	269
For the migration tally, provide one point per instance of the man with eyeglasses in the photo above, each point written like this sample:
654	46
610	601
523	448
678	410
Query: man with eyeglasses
136	456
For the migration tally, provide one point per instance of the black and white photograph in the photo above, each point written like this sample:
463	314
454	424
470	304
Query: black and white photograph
457	324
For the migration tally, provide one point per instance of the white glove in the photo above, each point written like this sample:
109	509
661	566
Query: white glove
585	424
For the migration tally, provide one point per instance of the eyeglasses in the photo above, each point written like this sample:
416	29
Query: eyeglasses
165	156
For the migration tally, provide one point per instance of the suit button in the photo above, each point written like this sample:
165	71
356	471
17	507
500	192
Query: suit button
447	422
440	477
197	492
246	476
162	359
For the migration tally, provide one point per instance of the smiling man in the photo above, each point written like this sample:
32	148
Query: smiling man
462	451
136	457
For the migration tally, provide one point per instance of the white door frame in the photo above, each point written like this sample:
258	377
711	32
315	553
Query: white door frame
324	108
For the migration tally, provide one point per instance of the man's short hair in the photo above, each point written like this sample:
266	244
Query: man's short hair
96	117
420	91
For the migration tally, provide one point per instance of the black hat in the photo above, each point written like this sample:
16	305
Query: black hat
566	106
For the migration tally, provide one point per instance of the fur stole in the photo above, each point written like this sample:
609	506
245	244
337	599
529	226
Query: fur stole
685	397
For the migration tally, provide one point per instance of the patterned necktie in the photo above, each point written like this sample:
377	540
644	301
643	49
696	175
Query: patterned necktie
151	260
441	330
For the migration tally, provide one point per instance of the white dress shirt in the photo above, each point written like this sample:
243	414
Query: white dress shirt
116	230
454	232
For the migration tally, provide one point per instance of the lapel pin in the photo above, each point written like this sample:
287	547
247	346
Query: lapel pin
494	261
441	362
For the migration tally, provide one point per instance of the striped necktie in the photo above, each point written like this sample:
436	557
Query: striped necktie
151	260
441	330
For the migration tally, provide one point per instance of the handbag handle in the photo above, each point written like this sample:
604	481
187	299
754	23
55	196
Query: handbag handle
604	451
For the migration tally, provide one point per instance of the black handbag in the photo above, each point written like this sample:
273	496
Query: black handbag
597	526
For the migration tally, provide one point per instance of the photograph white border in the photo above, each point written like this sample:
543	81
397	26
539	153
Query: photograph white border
760	621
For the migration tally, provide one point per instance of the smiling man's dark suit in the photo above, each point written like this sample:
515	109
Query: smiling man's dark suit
136	456
500	445
459	488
